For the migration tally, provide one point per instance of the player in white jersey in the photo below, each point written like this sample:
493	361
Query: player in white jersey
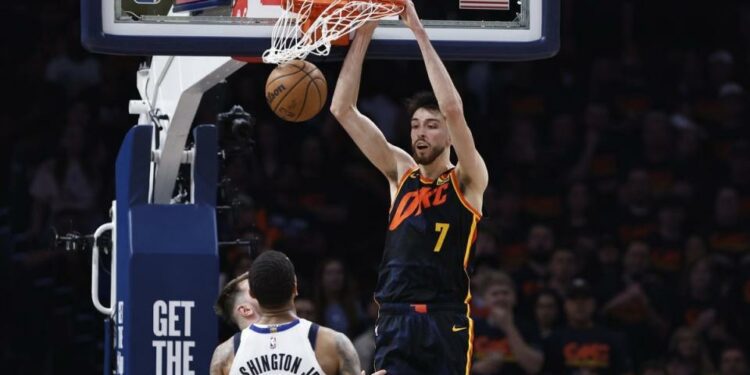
281	343
235	306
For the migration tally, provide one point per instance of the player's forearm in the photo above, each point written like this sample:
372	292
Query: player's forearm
529	358
347	88
445	92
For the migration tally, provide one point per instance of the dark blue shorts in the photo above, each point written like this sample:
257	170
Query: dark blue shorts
423	339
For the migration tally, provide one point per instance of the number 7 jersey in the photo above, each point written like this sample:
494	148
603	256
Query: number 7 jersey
430	239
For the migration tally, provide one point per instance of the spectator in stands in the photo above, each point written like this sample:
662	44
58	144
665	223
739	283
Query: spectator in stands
606	271
579	217
487	245
635	307
562	268
503	342
733	361
699	300
532	275
688	352
336	300
305	308
635	220
506	221
667	243
65	189
657	154
583	346
728	236
547	313
598	160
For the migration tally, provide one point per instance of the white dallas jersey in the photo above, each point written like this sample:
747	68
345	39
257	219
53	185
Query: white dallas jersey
277	350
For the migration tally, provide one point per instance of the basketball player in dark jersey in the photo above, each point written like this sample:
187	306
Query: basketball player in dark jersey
423	288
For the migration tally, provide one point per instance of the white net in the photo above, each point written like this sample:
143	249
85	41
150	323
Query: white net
290	40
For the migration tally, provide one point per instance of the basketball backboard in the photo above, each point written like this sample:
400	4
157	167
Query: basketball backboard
496	30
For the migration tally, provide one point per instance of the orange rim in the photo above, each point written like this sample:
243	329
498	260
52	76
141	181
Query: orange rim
322	4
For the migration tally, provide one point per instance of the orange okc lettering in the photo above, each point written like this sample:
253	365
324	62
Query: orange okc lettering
413	202
591	355
440	198
483	345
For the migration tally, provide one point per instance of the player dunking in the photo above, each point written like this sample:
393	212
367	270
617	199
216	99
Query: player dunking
423	288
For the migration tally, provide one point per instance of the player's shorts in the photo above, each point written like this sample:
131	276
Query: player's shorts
432	339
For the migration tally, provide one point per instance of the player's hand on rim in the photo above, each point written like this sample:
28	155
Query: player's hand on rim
368	27
410	17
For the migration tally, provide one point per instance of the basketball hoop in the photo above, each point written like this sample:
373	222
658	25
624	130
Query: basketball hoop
312	26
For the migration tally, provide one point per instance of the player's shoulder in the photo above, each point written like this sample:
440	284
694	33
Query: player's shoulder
333	341
222	357
331	348
226	346
403	172
328	339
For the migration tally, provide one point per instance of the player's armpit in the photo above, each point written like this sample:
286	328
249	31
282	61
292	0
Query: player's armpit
472	170
348	359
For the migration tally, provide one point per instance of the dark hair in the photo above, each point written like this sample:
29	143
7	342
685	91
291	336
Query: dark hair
422	99
272	279
557	300
224	305
552	293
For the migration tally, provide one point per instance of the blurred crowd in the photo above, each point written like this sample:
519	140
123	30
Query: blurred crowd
615	233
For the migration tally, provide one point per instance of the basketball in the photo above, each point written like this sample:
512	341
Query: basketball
296	91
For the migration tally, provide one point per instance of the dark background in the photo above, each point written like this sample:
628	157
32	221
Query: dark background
643	109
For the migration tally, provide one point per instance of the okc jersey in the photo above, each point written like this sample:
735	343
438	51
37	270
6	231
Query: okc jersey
279	349
431	234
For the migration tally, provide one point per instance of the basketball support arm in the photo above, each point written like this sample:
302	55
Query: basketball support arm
164	255
171	89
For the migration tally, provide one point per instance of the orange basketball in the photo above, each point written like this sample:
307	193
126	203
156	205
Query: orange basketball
296	91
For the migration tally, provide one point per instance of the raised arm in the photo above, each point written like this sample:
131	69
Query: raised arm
390	160
471	168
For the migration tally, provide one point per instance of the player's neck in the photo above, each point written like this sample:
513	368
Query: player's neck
245	323
435	169
277	316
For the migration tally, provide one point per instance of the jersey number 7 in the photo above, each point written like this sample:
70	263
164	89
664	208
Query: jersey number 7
442	228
